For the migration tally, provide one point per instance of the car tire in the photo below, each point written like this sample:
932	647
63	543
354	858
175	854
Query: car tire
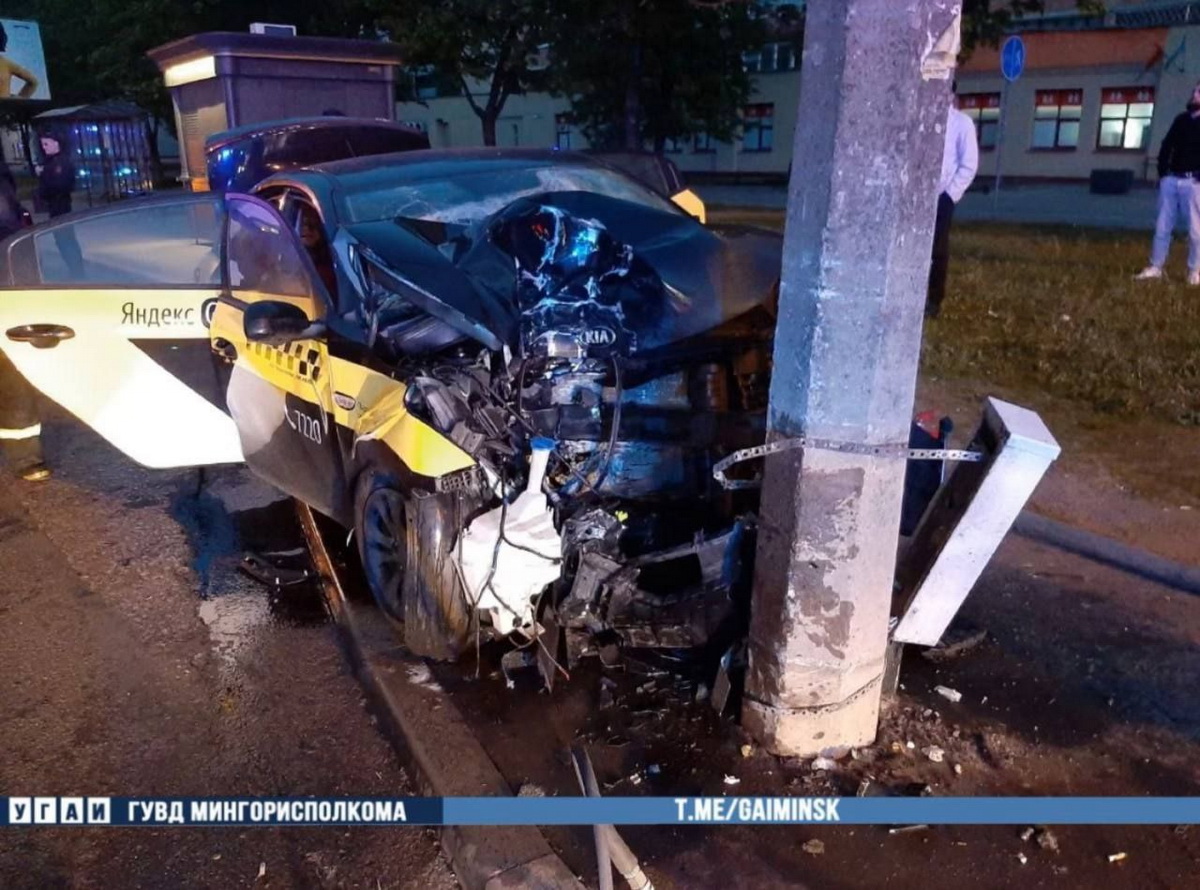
437	618
381	529
405	546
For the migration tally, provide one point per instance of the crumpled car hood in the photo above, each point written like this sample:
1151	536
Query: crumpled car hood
560	258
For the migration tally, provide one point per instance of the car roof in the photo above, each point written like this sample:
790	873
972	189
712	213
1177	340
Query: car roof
356	173
294	123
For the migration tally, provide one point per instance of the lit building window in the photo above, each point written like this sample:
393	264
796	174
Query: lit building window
984	110
562	131
1056	116
758	127
770	57
1125	115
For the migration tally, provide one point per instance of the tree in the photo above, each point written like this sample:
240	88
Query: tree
637	71
984	22
97	50
485	43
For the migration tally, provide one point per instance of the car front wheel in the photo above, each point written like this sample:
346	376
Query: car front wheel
406	547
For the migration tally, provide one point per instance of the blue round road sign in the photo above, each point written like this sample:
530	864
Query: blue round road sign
1012	58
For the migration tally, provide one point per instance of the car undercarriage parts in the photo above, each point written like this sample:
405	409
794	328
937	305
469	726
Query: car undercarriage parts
676	598
272	574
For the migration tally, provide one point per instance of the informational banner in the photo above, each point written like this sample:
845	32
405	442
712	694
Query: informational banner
22	62
1061	98
978	101
208	812
1127	96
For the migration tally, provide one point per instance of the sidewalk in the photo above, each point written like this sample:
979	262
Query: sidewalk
1058	204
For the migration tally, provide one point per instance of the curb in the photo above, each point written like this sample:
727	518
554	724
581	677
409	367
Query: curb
436	744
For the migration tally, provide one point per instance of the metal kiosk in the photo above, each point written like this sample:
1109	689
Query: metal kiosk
220	80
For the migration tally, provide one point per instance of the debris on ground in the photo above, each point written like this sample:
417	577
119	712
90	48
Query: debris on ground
653	769
529	789
838	752
948	653
823	763
732	780
747	750
934	753
606	692
1117	857
949	694
958	769
1022	858
814	847
513	661
907	829
1027	834
262	871
1047	840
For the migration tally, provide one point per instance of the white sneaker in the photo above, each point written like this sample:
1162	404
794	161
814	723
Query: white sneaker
1149	273
1194	277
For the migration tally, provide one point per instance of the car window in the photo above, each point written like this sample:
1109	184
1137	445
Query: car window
384	140
237	166
310	145
466	197
153	245
263	255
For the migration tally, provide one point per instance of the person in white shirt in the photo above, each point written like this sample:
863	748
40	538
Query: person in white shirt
960	159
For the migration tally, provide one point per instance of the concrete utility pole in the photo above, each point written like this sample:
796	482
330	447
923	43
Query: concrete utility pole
875	88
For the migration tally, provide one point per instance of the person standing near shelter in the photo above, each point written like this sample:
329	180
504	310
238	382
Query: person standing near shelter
56	177
56	181
1178	191
960	160
20	429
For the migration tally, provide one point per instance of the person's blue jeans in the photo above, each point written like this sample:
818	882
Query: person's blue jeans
1177	195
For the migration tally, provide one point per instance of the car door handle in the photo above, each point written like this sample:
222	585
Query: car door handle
40	336
224	349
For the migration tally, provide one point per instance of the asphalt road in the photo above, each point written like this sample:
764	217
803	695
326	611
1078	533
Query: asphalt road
139	661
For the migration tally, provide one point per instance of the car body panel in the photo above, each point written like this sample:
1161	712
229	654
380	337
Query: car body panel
379	413
104	377
134	288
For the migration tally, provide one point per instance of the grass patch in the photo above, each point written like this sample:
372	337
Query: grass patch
1055	311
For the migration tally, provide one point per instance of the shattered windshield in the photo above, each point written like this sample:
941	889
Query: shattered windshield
465	197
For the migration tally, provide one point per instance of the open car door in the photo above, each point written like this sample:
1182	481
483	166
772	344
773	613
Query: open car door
107	313
270	330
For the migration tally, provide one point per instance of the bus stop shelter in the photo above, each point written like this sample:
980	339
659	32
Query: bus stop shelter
109	144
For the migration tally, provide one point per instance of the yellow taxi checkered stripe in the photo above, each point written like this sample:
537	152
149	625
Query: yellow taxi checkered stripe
299	358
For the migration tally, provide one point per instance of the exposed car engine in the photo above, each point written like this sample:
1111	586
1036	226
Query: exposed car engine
634	536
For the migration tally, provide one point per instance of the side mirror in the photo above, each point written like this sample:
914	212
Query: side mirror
277	323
